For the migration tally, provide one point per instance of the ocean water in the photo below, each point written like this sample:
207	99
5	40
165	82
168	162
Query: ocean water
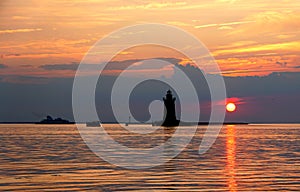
243	158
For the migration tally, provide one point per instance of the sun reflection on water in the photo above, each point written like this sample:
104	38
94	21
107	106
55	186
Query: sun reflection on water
230	156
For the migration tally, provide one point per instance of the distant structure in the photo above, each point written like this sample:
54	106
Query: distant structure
129	121
169	113
170	116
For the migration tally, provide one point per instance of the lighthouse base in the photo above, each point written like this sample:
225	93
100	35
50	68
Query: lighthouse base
172	123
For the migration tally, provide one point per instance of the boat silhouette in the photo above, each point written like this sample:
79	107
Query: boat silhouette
93	124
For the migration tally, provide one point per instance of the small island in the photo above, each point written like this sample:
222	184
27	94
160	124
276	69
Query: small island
50	120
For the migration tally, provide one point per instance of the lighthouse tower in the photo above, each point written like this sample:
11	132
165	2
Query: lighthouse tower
170	114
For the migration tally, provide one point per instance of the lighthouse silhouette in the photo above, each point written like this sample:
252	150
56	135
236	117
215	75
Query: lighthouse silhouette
169	111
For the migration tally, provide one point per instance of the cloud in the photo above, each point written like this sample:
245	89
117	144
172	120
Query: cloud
272	22
278	20
2	66
51	67
275	96
257	64
285	36
26	65
16	17
9	31
12	55
285	46
23	79
112	65
226	1
178	23
150	5
222	25
237	44
282	64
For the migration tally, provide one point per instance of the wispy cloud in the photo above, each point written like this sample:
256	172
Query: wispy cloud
9	31
290	46
237	44
282	64
271	22
72	66
178	23
150	6
263	29
112	65
16	17
22	79
226	1
223	24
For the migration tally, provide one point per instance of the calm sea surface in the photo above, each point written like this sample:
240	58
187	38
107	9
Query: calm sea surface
243	158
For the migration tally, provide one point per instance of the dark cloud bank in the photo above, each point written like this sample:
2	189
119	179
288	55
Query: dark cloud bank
272	98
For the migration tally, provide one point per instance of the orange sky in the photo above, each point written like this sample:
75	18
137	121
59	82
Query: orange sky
246	37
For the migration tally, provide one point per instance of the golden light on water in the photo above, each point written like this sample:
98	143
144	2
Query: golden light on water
230	157
31	162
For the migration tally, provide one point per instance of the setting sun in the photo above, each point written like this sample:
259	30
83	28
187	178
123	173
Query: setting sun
230	107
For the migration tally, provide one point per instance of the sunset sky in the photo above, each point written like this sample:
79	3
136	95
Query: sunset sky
47	39
246	37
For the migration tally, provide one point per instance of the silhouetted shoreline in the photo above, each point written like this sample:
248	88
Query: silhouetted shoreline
138	123
50	120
